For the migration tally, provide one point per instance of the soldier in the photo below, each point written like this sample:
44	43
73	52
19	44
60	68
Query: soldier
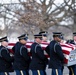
21	57
5	58
44	36
56	54
72	69
39	61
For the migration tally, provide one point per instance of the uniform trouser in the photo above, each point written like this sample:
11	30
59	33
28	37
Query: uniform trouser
56	72
38	72
72	70
4	73
21	72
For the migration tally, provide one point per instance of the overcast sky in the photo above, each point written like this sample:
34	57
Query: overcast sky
8	1
16	1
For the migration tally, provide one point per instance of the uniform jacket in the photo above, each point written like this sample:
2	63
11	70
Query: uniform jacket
21	57
56	55
5	60
39	60
71	42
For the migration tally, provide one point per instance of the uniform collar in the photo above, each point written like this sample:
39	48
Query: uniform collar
3	46
37	42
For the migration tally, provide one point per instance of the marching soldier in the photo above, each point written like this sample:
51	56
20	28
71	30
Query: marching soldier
39	61
72	69
5	58
56	55
21	57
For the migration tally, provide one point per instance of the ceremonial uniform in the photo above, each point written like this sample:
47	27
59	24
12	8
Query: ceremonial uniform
21	57
39	61
72	69
5	59
56	56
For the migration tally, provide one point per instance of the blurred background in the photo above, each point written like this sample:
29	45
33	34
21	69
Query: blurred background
31	16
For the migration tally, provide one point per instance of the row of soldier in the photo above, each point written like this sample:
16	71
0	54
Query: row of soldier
22	61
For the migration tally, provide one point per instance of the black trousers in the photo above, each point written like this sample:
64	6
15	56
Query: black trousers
38	72
72	70
4	73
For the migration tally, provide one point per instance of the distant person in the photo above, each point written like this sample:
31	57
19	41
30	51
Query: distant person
54	50
39	60
72	69
5	58
21	57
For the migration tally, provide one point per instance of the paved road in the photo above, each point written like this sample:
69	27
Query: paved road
65	72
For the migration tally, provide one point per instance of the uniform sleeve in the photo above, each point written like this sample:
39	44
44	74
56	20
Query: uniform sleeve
69	41
13	48
47	50
6	56
40	53
59	52
24	53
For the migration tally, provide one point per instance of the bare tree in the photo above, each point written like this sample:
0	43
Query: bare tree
39	13
46	15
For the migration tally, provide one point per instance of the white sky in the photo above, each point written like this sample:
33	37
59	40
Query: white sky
16	1
8	1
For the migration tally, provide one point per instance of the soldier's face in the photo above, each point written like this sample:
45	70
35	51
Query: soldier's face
5	43
39	40
75	38
58	39
44	38
23	41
